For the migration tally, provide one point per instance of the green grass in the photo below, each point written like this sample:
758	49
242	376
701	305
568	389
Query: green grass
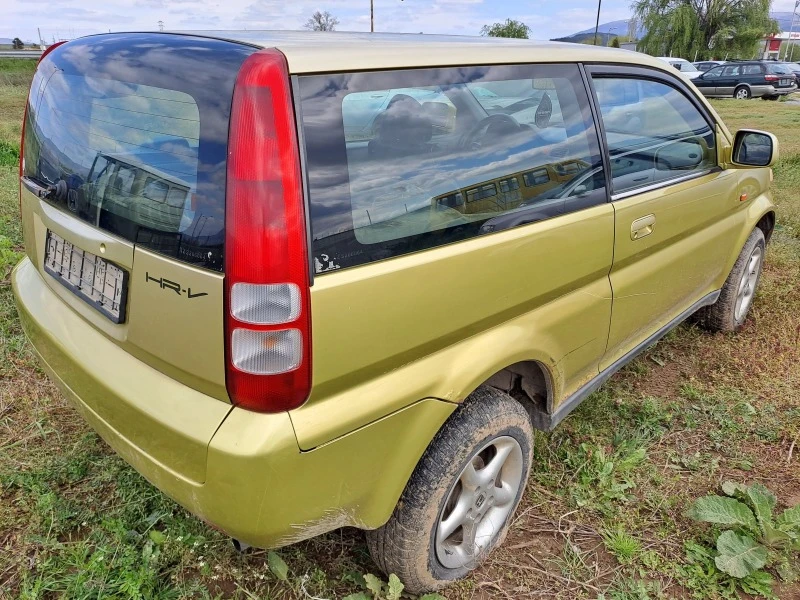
604	515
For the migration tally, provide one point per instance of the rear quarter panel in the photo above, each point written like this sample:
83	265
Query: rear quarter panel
439	323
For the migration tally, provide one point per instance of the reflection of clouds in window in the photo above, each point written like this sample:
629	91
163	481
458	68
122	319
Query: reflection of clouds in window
88	128
156	106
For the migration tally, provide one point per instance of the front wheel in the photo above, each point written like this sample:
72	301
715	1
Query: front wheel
462	495
742	93
730	310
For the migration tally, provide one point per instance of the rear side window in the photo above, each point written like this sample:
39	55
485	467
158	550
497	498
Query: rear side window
656	135
403	161
136	127
751	70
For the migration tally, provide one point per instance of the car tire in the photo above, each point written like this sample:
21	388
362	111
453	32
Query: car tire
742	93
467	485
730	310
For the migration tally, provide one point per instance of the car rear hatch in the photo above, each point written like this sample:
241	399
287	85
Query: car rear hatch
780	75
123	206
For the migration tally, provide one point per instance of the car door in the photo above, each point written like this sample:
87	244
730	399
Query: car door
453	256
707	82
729	78
671	222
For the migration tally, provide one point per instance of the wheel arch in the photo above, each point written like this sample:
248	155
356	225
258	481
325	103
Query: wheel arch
767	224
530	383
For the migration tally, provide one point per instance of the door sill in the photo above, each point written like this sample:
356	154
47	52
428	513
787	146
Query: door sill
548	422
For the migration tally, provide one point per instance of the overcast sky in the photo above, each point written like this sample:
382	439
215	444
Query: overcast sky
70	18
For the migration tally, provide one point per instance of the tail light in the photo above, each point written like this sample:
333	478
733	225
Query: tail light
771	77
268	320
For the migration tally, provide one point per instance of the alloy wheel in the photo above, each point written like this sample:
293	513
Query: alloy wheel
747	285
480	502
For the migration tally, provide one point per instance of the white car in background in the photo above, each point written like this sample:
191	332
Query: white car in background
683	65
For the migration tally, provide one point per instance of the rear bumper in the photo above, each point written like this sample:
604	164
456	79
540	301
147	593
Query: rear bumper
771	90
242	472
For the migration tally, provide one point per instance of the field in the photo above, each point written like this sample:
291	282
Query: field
604	516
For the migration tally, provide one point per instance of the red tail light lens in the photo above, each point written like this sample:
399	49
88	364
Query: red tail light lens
771	77
268	320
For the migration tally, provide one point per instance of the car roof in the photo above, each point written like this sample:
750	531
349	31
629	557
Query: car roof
325	52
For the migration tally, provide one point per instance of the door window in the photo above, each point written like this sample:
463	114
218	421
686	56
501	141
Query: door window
656	134
751	70
731	71
402	161
713	73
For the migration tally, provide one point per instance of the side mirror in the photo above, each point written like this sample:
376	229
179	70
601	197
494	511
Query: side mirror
752	148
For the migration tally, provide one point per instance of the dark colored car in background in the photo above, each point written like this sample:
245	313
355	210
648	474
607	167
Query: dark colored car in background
794	68
707	65
747	79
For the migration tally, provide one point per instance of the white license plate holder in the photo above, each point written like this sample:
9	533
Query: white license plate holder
96	281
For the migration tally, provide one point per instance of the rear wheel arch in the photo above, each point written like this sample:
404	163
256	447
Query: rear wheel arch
529	383
742	86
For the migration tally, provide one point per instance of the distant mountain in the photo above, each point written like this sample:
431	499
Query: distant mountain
607	31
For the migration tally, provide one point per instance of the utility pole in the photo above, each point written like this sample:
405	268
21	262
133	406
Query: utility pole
372	16
791	31
597	23
161	25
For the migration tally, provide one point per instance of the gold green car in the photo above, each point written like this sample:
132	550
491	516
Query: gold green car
307	281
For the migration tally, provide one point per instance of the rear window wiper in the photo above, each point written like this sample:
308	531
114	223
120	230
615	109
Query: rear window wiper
45	192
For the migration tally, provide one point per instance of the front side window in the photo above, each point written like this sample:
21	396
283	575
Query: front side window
402	161
713	73
655	136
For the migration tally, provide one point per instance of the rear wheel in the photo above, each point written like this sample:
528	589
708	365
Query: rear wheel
742	93
730	310
461	497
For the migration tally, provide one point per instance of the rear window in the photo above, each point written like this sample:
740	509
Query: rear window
403	161
778	69
136	126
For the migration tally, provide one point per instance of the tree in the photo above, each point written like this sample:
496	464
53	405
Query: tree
322	21
703	28
614	43
509	29
17	44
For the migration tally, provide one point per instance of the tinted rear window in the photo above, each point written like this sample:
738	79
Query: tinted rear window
136	126
403	161
779	69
